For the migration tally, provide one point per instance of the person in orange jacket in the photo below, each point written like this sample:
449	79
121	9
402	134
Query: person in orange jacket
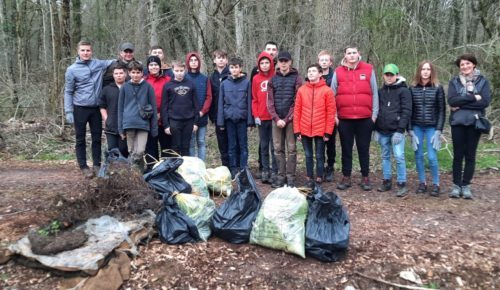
314	120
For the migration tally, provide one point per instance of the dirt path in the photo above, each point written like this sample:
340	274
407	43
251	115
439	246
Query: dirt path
449	243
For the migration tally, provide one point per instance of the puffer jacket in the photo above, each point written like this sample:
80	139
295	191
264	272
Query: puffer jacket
394	107
466	102
314	111
428	106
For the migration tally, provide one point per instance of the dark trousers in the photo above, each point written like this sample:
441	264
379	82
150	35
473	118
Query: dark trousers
115	141
361	131
152	145
92	116
238	139
331	152
223	145
266	145
465	140
319	149
181	135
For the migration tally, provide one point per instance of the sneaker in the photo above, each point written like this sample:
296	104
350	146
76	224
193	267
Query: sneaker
385	186
365	184
466	192
422	188
87	173
328	174
345	183
265	178
278	182
455	191
402	189
435	190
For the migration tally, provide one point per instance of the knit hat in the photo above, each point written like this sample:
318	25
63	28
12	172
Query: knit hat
153	58
391	68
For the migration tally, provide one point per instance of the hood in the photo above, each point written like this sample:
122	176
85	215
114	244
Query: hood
188	56
400	82
268	56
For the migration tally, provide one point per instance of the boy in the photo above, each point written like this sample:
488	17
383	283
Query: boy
261	114
133	123
204	95
395	108
108	104
165	68
179	109
314	120
235	113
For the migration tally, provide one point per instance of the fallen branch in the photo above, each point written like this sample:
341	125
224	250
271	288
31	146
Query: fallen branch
13	213
390	283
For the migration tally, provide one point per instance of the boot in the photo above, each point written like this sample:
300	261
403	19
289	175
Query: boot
265	178
329	173
385	186
422	188
402	189
455	191
290	181
365	184
345	183
279	181
435	190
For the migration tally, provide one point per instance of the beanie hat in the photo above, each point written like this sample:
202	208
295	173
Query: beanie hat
153	58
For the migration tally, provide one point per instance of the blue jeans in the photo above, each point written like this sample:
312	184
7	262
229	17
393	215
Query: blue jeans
198	139
427	133
386	148
319	145
237	136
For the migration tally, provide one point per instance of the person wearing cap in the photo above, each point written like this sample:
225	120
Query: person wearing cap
125	55
355	87
281	90
157	80
394	116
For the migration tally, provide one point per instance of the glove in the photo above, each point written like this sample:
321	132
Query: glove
376	136
436	140
257	121
397	138
70	119
414	140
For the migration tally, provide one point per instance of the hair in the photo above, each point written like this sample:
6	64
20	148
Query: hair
325	52
350	46
270	42
155	47
219	52
417	78
466	56
236	61
316	65
120	66
135	65
178	63
84	42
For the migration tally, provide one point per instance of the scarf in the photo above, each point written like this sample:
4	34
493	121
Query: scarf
469	80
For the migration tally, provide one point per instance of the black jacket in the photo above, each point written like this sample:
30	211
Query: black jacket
109	101
429	107
394	108
466	101
179	102
215	80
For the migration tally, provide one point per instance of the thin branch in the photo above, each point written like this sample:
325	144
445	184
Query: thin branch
390	283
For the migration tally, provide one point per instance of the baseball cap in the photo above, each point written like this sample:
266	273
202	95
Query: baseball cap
391	68
126	45
284	55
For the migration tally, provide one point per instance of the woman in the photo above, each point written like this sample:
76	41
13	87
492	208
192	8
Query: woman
468	95
427	121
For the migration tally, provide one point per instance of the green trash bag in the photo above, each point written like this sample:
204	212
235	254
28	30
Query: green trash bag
280	223
193	170
219	180
200	209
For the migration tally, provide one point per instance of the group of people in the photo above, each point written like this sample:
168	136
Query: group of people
160	106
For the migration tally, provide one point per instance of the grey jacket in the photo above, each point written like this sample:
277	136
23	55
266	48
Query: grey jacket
83	83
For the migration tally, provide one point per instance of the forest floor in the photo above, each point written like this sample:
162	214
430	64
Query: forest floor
449	243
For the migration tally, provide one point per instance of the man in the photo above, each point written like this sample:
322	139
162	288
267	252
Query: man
355	88
125	55
82	89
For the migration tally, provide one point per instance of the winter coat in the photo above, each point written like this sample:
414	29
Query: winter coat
133	95
394	107
428	106
179	102
109	101
215	80
466	102
259	89
203	89
281	91
235	101
158	83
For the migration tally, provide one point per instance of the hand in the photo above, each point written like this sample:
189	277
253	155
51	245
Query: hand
436	140
453	109
397	138
336	121
258	122
376	136
374	120
222	128
478	97
414	140
195	128
281	123
70	119
123	136
201	114
299	137
167	131
325	138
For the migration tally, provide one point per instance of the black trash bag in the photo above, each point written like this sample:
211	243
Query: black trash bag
174	226
327	227
113	155
233	220
165	179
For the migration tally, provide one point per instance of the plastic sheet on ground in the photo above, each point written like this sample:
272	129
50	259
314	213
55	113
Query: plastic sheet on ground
193	170
200	209
280	223
219	180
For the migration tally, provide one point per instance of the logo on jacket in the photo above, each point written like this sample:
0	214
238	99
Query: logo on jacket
263	86
181	90
362	77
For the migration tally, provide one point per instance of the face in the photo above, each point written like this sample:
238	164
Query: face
85	52
271	49
284	65
352	55
135	75
154	68
466	67
179	72
235	70
264	65
425	72
127	55
158	52
119	75
390	78
194	63
325	61
313	74
220	61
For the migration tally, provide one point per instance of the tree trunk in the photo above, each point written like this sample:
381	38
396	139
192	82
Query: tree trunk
76	25
65	31
238	26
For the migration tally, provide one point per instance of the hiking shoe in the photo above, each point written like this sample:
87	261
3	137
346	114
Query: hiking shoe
265	178
365	184
402	189
435	190
290	182
345	183
328	174
385	186
87	173
278	182
466	192
422	188
455	191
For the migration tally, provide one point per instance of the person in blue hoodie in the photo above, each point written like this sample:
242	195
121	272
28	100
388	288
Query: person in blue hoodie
82	89
235	113
204	95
